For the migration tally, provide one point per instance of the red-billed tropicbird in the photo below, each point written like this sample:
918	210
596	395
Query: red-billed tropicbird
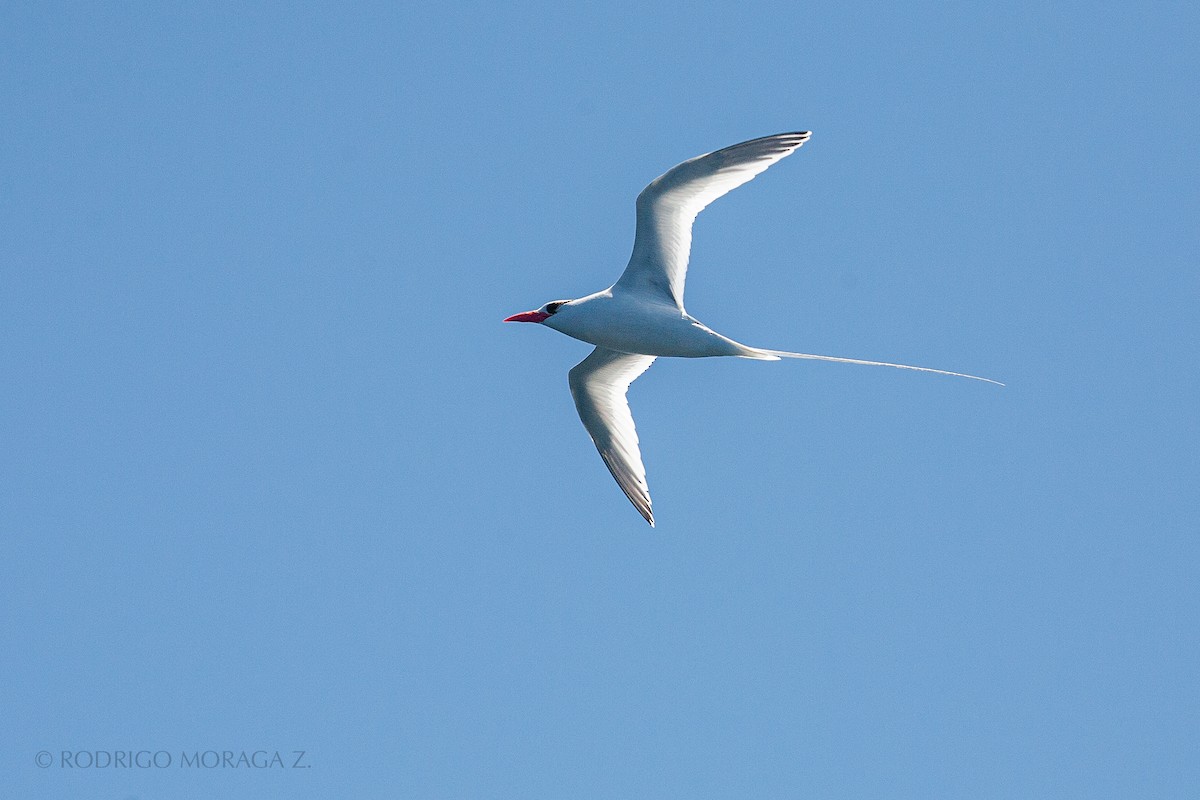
641	316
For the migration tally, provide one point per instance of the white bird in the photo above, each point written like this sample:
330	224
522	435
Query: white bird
641	316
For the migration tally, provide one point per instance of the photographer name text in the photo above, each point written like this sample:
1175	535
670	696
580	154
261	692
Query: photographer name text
168	759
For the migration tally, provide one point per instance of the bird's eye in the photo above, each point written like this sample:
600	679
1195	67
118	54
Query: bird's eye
552	307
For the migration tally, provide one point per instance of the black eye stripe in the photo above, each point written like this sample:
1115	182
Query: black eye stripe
552	307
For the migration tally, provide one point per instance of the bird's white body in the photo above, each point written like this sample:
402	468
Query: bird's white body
629	322
641	316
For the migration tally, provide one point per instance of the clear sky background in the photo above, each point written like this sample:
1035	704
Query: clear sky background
276	477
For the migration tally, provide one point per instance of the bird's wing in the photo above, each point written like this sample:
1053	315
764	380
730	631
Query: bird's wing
598	384
668	206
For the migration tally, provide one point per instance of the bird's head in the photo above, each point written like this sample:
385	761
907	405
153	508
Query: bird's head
540	315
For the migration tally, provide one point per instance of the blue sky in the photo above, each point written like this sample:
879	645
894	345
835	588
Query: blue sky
276	478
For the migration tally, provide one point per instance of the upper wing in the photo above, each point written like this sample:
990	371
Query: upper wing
598	384
668	206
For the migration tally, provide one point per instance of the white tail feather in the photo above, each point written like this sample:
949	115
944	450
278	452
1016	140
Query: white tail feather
772	355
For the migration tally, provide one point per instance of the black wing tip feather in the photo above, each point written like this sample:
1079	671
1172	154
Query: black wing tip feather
789	139
642	506
767	146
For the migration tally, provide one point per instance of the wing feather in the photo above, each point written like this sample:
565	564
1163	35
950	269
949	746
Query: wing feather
599	384
667	208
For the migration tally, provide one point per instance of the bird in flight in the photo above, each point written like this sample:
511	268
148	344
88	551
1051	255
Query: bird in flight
641	316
